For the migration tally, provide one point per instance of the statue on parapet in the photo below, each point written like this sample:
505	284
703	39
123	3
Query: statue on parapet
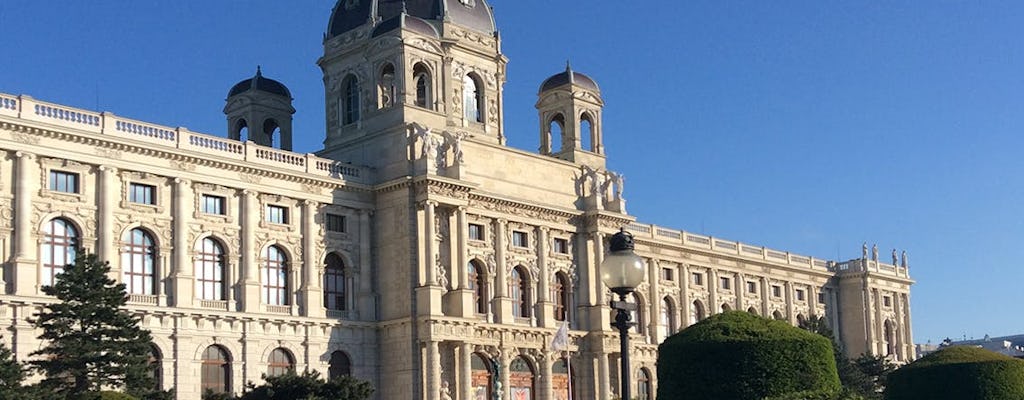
903	256
874	252
864	251
895	260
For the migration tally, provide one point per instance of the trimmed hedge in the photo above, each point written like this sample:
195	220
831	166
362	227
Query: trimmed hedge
741	356
959	372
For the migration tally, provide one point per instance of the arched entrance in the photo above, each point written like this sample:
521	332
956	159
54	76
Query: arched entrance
481	378
560	381
520	380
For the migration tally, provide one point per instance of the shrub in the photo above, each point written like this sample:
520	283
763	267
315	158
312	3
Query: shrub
737	355
959	372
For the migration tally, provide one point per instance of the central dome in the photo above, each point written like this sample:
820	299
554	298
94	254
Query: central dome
351	14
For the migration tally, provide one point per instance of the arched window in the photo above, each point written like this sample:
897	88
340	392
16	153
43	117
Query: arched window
519	291
697	314
424	96
726	308
752	310
481	377
643	385
800	320
561	293
586	132
472	99
209	265
275	277
216	370
138	261
270	127
334	283
241	132
556	129
60	244
778	315
156	370
520	379
637	314
350	100
668	316
280	362
478	284
386	87
341	365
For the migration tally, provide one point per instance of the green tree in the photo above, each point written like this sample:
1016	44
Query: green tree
91	342
308	386
864	376
11	374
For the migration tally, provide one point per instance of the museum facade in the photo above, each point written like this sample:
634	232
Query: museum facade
416	250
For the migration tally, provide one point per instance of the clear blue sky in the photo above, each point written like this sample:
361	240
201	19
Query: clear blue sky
806	126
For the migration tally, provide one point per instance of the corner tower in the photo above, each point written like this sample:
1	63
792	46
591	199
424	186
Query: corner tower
390	63
569	105
260	106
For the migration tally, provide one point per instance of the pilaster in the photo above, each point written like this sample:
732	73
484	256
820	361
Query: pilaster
181	266
250	214
545	308
464	305
312	297
26	277
367	302
106	249
504	303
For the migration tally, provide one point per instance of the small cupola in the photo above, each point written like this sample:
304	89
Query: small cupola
259	107
569	105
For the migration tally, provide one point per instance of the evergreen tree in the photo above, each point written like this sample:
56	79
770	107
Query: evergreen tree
91	342
864	377
11	374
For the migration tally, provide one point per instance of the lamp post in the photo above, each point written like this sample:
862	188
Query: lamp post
622	270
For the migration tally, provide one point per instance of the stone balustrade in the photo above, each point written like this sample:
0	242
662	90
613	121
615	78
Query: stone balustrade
716	245
106	123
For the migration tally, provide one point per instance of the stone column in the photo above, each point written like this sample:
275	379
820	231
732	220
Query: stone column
812	301
741	291
684	295
603	377
465	372
654	308
506	360
433	369
546	309
312	295
106	249
713	306
765	308
545	374
879	323
429	274
181	268
503	305
789	303
908	337
465	306
250	215
834	315
367	304
26	182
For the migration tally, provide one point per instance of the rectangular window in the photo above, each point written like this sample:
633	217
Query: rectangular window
776	291
698	279
799	295
63	181
476	232
751	287
561	246
520	239
142	194
277	214
725	283
335	223
211	204
821	298
666	274
887	301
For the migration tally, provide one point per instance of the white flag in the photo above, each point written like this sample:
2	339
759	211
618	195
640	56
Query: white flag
561	340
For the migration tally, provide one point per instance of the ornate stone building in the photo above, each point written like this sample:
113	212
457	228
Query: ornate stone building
415	250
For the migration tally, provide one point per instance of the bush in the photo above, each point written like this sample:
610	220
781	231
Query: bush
959	372
737	355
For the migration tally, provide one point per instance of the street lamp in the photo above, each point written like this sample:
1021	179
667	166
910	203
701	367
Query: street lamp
622	271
